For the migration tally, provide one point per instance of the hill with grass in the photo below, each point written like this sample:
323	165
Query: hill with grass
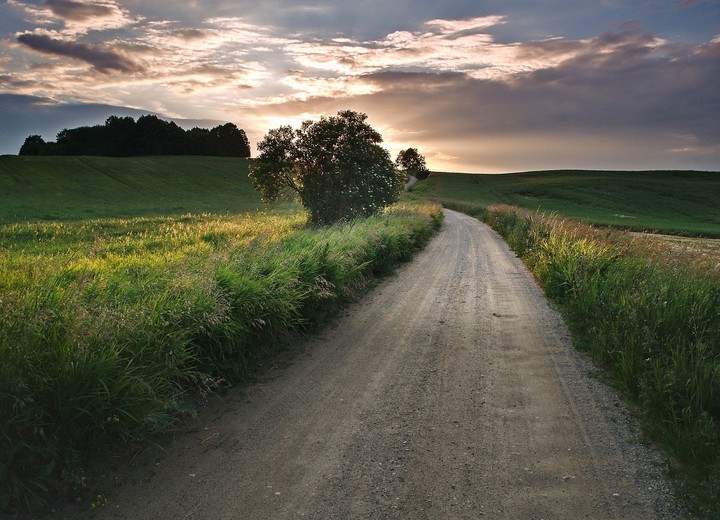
674	202
76	188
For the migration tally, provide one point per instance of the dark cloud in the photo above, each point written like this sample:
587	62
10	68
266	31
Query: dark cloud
190	34
686	4
556	47
631	85
609	88
101	59
78	11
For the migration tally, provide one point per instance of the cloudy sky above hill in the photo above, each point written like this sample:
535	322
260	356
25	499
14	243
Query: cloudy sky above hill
476	86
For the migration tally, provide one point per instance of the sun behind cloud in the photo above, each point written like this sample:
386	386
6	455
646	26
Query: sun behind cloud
448	79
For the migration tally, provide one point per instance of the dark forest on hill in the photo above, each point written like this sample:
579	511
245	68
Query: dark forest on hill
149	135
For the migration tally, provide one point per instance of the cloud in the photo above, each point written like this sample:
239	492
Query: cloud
434	75
100	59
207	70
79	11
75	18
629	79
466	26
448	45
191	34
622	98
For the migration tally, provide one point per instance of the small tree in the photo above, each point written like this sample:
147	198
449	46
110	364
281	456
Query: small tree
413	163
335	166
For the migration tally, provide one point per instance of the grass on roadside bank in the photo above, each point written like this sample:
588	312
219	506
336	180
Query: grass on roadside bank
106	325
651	318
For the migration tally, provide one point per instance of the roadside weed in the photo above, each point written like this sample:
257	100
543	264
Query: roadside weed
650	317
107	325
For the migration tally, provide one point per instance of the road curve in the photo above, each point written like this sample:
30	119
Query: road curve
451	391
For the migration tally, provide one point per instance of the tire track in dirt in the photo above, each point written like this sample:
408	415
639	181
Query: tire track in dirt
451	391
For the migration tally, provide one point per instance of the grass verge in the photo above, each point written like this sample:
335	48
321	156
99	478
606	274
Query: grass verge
647	316
107	325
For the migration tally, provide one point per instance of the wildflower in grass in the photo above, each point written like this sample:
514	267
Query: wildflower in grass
100	500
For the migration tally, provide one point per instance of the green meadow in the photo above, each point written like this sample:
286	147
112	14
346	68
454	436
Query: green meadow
129	287
77	188
672	202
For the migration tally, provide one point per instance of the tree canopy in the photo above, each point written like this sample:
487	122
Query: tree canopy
334	166
413	163
149	135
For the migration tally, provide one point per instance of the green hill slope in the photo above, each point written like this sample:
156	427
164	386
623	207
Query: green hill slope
71	188
75	188
665	201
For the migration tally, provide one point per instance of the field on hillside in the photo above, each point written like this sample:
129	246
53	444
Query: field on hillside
684	203
77	188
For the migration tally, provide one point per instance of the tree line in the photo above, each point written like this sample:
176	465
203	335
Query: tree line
149	135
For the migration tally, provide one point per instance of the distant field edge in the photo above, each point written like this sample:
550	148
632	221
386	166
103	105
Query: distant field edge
673	202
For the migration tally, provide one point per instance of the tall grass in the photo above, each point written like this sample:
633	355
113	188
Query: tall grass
652	319
107	325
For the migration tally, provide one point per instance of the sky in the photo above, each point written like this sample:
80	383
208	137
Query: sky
479	86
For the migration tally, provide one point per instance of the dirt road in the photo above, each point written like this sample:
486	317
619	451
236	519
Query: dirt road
450	392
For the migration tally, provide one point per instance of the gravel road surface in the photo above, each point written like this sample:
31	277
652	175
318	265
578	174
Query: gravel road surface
451	391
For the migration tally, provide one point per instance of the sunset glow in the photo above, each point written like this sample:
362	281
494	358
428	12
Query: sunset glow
486	87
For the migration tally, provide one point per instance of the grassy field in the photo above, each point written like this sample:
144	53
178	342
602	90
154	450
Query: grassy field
684	203
128	284
77	188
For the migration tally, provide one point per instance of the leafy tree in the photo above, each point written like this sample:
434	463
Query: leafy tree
116	138
154	136
413	163
33	145
197	140
83	140
230	141
335	166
